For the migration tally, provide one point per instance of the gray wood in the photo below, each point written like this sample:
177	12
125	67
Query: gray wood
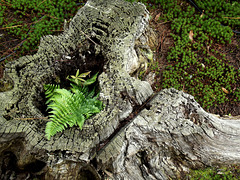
170	134
170	137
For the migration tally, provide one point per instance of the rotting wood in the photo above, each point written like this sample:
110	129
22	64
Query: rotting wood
169	134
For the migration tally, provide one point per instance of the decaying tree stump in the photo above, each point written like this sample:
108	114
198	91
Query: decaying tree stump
138	135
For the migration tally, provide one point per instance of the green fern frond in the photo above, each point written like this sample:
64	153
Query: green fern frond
70	107
53	128
50	90
81	88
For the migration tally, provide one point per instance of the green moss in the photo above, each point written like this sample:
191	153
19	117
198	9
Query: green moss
29	20
195	66
231	172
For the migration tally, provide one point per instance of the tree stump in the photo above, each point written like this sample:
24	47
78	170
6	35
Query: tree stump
138	134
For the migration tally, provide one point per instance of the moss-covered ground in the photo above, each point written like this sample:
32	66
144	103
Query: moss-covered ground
198	49
24	22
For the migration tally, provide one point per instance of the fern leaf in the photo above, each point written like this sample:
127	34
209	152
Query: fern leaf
52	128
61	106
90	94
69	108
80	120
50	90
58	115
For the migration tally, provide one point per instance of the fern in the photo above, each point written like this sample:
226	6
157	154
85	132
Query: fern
50	90
72	107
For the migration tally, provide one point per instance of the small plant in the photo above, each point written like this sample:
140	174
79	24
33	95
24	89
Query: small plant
71	107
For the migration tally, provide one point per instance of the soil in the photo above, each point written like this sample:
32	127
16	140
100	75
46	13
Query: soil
164	42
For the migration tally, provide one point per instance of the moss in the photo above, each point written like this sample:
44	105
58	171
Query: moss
230	172
27	21
195	64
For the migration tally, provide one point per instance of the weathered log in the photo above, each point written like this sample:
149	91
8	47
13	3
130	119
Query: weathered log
170	134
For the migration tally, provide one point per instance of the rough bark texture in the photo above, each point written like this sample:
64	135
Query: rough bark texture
169	135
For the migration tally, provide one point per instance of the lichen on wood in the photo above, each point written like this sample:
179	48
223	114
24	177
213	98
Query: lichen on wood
100	38
138	135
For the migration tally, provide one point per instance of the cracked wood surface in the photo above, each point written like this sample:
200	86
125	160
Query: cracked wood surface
101	37
169	136
114	26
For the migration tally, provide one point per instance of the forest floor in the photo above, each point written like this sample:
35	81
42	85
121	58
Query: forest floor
165	41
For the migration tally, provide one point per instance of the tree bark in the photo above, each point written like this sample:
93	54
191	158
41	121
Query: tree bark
138	135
